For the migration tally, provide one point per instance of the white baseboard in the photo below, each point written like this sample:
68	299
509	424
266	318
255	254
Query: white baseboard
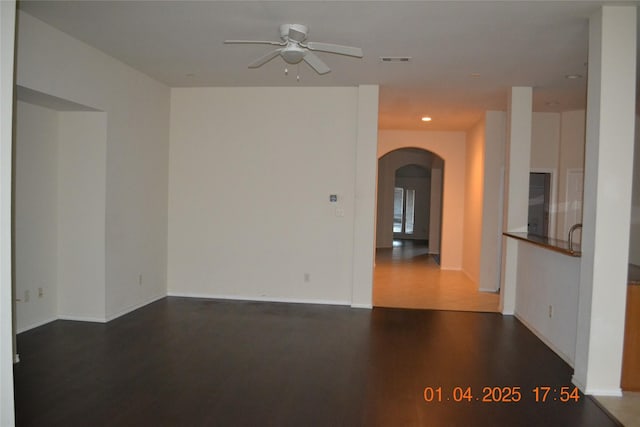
577	383
491	291
82	318
545	340
367	306
615	392
35	325
258	299
134	307
89	318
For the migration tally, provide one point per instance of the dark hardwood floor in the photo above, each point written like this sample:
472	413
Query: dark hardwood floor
192	362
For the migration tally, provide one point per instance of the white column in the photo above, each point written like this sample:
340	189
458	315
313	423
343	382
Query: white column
518	151
7	35
365	197
607	199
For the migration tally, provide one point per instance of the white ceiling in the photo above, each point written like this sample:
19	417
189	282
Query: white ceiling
508	43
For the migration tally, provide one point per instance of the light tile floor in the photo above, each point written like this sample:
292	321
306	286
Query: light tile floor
406	276
626	408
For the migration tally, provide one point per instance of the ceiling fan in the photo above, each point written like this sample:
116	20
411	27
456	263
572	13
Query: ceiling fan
294	48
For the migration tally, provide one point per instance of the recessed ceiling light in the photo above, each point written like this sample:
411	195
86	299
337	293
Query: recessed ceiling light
426	119
573	76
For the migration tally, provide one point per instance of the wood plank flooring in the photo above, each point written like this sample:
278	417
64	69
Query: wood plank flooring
406	276
193	362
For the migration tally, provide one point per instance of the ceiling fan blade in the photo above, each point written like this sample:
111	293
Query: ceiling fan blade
254	42
335	48
264	59
316	63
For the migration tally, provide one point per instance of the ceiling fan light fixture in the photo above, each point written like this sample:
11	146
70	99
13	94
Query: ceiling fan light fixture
292	54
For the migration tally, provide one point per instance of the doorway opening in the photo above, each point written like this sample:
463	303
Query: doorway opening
407	271
409	209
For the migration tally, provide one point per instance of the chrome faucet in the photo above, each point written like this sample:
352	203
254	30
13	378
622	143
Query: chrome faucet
571	230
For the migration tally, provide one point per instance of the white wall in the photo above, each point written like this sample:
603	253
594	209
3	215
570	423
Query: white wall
473	206
451	147
249	210
611	105
7	27
545	140
571	157
547	297
545	148
137	109
36	215
81	200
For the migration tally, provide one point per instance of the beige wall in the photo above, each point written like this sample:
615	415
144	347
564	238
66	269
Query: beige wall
82	146
494	159
36	214
473	209
137	147
249	209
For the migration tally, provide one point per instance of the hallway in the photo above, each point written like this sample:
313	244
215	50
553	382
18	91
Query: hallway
406	276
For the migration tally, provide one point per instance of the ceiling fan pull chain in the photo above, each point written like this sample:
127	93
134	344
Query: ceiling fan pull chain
298	73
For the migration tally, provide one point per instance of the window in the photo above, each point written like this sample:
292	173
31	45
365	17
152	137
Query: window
398	204
403	210
408	213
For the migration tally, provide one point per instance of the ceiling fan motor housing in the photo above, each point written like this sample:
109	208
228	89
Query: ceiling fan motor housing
294	32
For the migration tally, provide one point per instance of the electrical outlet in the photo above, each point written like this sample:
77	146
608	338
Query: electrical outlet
26	296
40	292
550	311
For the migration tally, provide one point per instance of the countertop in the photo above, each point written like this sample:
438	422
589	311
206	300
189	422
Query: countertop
557	245
562	246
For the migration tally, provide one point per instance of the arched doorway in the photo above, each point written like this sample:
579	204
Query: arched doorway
411	230
409	209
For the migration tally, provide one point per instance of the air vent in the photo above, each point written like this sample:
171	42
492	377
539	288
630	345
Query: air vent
395	58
